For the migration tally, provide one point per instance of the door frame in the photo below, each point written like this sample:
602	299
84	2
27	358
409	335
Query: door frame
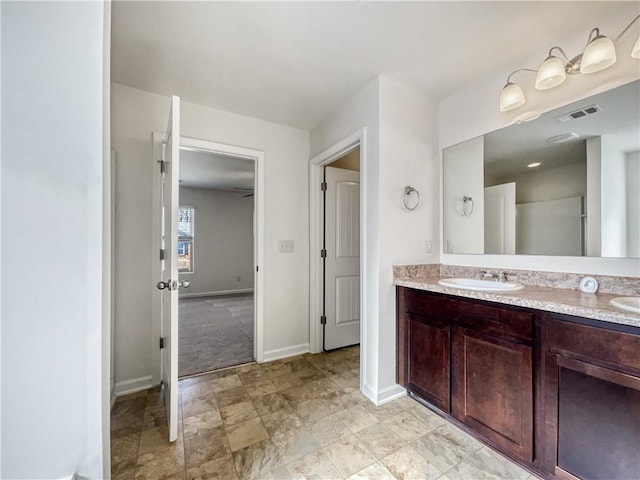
316	213
258	239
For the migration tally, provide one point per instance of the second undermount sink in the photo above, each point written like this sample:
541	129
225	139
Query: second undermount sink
630	304
480	285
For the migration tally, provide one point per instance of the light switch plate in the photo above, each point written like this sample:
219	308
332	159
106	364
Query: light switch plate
285	246
428	246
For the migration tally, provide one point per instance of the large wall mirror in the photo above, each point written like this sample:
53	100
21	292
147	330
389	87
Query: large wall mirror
566	183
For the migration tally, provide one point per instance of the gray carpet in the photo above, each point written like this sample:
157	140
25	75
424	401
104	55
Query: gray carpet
214	332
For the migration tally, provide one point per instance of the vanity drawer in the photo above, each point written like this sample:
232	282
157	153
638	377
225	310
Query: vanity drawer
500	321
427	304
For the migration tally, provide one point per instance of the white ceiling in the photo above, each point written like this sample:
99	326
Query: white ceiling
509	150
200	169
294	63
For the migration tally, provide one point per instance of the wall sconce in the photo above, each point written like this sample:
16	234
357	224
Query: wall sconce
598	54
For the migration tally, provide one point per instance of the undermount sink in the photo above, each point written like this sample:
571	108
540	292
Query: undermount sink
630	304
480	285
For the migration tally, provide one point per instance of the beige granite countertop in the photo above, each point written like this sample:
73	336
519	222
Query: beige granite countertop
570	302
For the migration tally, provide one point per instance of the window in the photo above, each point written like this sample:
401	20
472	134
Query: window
185	239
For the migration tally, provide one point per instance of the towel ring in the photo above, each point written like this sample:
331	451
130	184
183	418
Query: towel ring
408	192
467	206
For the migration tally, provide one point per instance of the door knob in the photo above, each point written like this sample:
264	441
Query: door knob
162	285
184	284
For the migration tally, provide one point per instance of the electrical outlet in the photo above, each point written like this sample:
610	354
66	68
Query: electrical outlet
428	246
449	246
285	246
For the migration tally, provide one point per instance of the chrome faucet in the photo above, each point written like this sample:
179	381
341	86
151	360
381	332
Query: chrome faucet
488	274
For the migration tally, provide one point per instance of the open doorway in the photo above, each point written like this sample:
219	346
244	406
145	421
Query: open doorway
215	257
350	153
341	252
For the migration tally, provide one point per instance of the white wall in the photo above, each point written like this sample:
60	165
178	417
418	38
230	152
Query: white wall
408	156
135	114
463	175
473	111
362	111
564	181
594	196
52	174
614	200
223	244
633	204
400	150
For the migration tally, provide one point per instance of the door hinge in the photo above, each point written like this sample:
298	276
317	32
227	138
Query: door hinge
162	254
323	320
161	342
257	268
163	166
323	253
323	186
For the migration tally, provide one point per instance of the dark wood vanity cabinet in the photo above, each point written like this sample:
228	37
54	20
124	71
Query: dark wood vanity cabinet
558	394
492	389
426	339
470	360
591	400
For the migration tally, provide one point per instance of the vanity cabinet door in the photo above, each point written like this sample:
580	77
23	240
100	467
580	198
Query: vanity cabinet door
492	388
428	369
424	346
592	402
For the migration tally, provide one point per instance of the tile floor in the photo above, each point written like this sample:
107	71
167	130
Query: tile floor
302	417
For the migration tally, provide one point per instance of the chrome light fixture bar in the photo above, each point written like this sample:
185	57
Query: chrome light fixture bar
599	53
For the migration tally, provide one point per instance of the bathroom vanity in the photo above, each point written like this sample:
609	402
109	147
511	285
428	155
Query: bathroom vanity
557	393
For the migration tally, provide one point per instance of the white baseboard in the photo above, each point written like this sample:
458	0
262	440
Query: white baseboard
390	393
385	395
215	294
285	352
132	386
369	392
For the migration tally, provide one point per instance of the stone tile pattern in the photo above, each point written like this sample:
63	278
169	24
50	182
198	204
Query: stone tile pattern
559	296
570	281
416	271
298	418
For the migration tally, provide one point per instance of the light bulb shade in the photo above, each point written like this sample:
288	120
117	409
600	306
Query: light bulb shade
511	97
599	54
550	74
635	53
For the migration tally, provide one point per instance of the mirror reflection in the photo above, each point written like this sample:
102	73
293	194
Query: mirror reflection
566	183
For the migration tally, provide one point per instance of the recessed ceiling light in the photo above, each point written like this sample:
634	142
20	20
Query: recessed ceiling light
534	165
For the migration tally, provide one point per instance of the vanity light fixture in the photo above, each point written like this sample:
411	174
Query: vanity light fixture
599	53
534	165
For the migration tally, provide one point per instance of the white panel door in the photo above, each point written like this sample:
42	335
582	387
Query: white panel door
342	262
500	219
169	310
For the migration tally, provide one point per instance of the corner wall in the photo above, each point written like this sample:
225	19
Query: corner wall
401	150
135	114
52	178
